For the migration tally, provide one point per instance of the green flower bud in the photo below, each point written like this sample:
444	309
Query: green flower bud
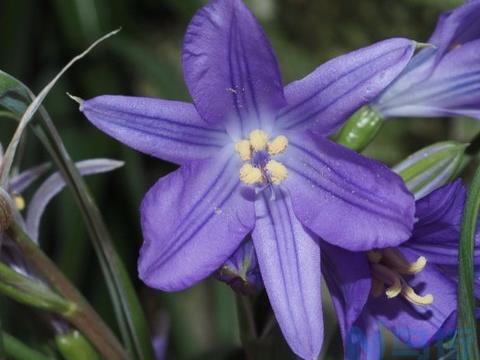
360	130
6	212
432	167
74	346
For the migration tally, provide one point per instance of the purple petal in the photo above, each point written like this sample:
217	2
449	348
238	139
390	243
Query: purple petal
289	258
349	280
54	184
348	200
453	88
457	27
415	325
21	182
168	130
327	97
192	221
364	340
229	65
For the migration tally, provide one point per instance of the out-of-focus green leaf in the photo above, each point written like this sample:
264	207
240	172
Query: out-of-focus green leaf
130	316
16	350
74	346
467	331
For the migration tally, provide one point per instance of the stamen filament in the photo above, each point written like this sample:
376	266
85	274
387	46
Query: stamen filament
396	260
389	277
410	294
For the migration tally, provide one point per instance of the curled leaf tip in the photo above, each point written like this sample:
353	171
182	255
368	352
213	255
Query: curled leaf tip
75	98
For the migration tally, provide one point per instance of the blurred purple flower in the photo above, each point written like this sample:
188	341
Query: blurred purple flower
255	158
414	299
443	80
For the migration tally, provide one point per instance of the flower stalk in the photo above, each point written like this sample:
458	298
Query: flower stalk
246	323
84	318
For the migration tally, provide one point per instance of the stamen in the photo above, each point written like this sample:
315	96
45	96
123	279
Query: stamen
243	149
278	145
278	172
374	256
410	294
251	175
396	260
19	202
388	276
377	288
258	140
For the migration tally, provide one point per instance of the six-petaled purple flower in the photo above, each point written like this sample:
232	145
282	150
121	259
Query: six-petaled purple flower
256	161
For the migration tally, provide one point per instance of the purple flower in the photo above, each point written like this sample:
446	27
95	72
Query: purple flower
413	287
443	80
255	159
241	271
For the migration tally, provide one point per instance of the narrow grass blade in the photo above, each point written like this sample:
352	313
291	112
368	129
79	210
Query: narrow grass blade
467	331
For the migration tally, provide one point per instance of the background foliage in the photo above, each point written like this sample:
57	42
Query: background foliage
39	36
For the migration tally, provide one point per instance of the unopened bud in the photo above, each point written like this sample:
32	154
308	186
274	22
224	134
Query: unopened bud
74	346
241	271
360	130
432	167
6	212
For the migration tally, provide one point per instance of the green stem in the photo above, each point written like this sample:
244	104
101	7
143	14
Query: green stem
246	323
84	318
467	331
16	350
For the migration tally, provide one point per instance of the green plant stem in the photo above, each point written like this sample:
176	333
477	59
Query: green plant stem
467	331
16	350
246	323
84	318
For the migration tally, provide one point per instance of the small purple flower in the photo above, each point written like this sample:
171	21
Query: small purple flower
413	287
443	80
241	271
255	159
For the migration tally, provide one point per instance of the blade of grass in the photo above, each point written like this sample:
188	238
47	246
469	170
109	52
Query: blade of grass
16	350
467	331
34	106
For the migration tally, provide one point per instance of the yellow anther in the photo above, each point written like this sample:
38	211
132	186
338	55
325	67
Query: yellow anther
19	202
278	172
251	175
397	261
258	140
374	256
389	277
278	145
243	149
410	294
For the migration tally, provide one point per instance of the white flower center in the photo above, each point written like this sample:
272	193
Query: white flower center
257	152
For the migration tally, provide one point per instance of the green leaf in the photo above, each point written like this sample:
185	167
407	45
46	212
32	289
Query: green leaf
467	331
15	97
74	346
16	350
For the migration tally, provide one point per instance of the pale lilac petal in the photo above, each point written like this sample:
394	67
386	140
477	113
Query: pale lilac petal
457	27
192	221
453	88
289	259
54	184
327	97
415	325
348	200
229	66
169	130
22	181
349	280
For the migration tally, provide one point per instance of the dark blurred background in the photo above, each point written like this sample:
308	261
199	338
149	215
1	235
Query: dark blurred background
38	37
